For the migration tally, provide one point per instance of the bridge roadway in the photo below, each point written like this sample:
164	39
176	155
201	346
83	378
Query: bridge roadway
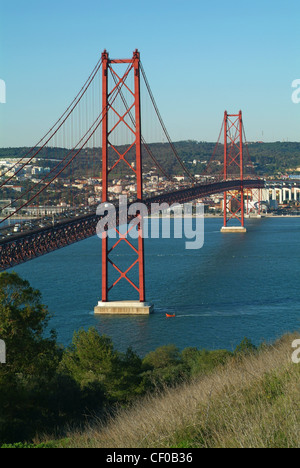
25	246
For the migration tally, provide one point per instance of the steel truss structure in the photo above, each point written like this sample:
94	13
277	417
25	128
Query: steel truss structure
23	247
233	167
134	126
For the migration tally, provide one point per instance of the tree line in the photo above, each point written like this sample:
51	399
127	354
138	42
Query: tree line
267	158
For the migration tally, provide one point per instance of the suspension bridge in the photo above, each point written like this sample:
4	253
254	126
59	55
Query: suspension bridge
108	133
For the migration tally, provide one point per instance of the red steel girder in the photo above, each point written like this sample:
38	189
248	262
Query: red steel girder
135	129
250	195
233	160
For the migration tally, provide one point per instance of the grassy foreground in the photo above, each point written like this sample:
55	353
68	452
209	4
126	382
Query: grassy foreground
251	402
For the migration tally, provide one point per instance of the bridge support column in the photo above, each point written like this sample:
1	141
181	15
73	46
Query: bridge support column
234	205
253	203
131	119
296	194
123	308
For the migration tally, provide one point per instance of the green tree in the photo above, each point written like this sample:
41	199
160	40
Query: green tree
31	360
91	360
245	347
203	361
164	366
23	324
162	357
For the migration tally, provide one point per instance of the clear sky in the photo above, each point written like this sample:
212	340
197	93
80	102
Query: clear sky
200	59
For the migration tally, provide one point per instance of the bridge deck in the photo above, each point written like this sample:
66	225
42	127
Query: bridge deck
22	247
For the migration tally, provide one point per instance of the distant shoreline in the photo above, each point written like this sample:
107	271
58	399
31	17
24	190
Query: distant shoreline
221	216
28	218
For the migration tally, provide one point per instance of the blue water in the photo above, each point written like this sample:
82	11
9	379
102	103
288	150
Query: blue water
236	286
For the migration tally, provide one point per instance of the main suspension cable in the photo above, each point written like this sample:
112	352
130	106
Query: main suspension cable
68	111
164	127
142	138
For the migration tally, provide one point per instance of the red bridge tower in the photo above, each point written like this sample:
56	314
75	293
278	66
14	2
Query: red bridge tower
132	121
233	169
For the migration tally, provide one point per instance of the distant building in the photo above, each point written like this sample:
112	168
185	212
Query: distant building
117	188
97	188
4	203
18	188
179	178
44	210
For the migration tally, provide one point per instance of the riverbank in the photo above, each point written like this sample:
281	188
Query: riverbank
220	216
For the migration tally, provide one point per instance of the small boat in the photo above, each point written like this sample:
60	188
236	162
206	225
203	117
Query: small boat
170	315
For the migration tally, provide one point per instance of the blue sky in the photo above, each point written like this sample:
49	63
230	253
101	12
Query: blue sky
200	59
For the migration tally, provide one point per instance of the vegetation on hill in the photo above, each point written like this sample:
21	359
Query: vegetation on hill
250	402
268	158
167	398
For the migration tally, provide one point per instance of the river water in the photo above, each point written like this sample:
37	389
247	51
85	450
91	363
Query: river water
236	286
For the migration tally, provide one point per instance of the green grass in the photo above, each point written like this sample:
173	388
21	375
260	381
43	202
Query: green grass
251	402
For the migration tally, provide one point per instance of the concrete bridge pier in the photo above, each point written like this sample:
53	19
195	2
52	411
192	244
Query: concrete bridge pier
123	308
233	229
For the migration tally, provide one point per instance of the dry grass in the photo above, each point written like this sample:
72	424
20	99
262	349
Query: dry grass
251	402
